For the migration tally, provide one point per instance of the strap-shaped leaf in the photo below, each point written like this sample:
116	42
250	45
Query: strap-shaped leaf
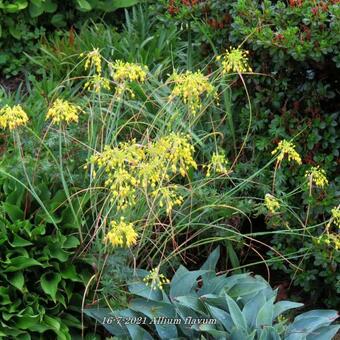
282	306
184	282
235	313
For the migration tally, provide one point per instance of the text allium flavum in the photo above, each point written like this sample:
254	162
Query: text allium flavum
12	117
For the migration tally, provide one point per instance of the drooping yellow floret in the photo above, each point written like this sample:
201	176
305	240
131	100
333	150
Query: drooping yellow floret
93	59
63	111
271	203
130	167
155	280
317	176
96	83
12	117
124	71
235	60
190	87
336	216
218	164
287	148
168	197
121	234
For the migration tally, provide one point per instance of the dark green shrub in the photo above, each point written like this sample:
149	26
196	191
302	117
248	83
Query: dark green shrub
41	280
25	22
294	46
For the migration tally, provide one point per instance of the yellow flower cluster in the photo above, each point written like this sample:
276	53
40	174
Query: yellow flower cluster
155	280
124	72
287	148
217	164
63	111
317	176
271	203
93	59
131	166
121	234
168	198
96	83
336	216
332	240
12	117
235	60
190	87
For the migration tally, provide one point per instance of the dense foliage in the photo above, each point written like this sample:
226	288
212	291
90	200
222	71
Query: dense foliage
145	144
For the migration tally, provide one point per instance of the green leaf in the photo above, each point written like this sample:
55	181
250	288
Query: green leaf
35	10
49	283
20	263
324	333
236	313
84	5
282	306
184	282
211	261
252	307
17	280
18	241
13	211
265	314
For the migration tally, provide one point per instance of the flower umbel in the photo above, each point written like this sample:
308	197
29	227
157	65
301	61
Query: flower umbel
93	59
124	71
130	167
121	234
168	197
190	87
317	176
96	83
12	117
235	60
336	216
287	148
217	164
63	111
155	280
271	203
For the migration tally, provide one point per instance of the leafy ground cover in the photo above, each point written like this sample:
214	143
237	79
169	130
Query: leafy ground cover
131	151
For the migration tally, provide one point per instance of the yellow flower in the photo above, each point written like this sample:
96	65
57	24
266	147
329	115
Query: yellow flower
168	198
120	165
130	167
93	58
155	280
287	148
318	176
271	203
121	234
96	83
336	216
235	60
217	164
12	117
63	111
330	240
190	87
124	71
